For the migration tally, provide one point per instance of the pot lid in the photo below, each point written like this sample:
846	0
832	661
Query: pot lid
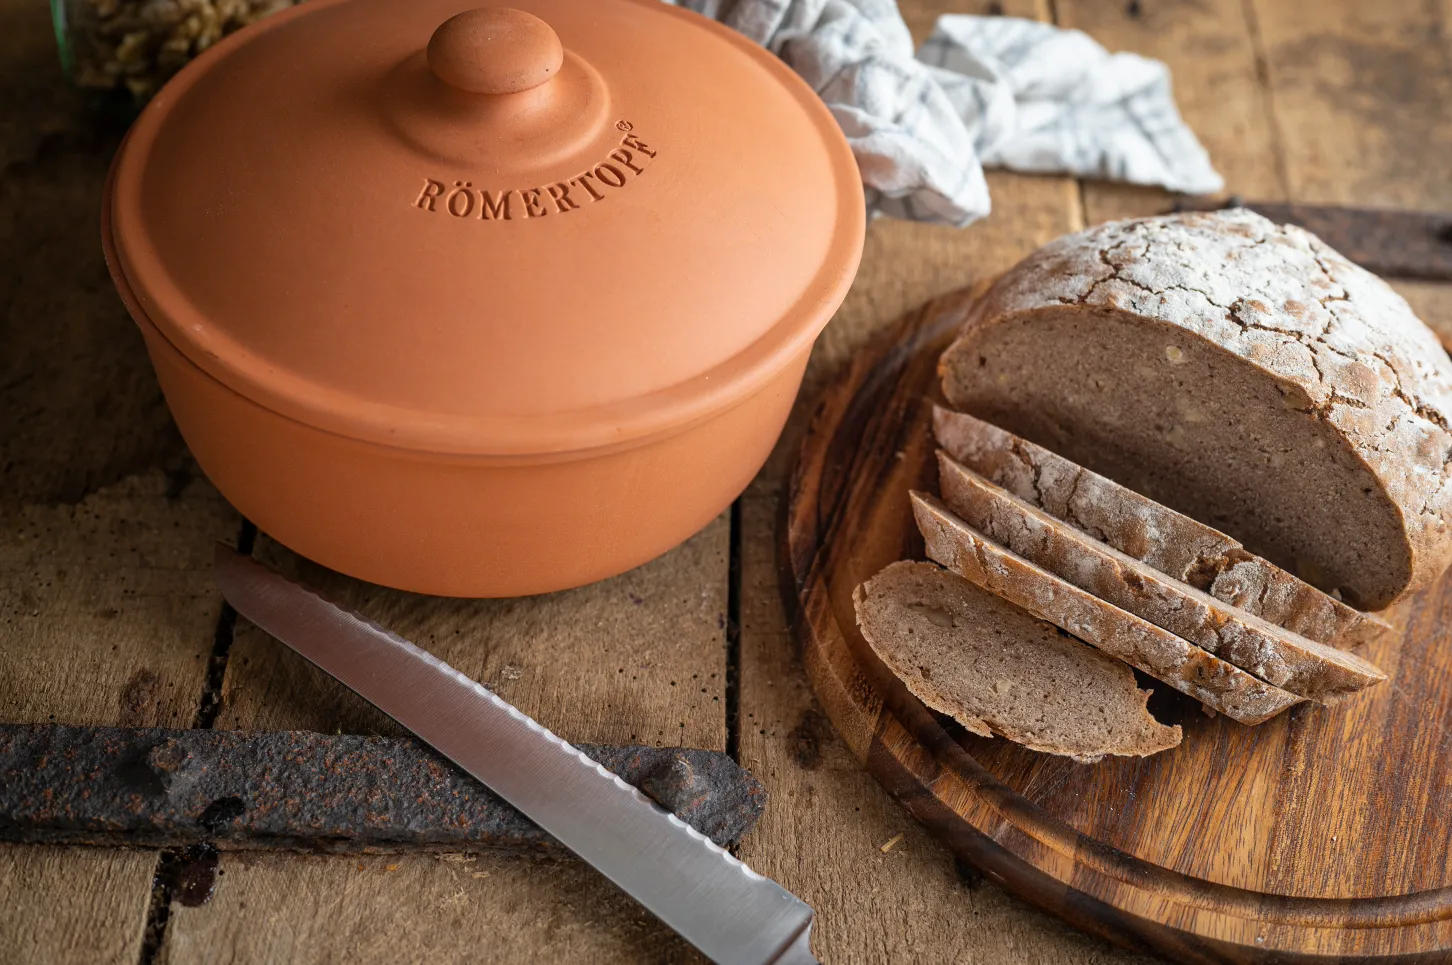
498	230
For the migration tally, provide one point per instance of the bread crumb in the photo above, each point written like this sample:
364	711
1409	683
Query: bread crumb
1175	354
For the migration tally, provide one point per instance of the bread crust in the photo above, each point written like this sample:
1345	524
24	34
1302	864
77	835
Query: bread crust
1192	670
1336	340
1136	525
1271	653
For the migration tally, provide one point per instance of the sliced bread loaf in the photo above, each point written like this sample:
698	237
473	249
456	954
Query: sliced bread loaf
1169	541
1189	669
1240	372
1272	653
996	670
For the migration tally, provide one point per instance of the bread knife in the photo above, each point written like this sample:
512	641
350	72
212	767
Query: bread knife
732	914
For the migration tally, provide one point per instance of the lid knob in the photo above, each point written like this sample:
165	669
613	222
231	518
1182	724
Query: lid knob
494	50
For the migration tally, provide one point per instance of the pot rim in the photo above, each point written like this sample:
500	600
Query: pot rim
611	425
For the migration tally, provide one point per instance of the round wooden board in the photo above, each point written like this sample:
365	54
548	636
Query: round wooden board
1321	835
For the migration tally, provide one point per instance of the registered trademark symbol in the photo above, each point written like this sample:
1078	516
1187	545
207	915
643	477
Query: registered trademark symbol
623	125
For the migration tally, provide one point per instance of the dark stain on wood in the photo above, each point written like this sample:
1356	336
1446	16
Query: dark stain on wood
139	698
192	875
805	739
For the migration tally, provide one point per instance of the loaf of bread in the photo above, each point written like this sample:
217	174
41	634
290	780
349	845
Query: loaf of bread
1149	531
1192	670
1273	654
1239	372
996	670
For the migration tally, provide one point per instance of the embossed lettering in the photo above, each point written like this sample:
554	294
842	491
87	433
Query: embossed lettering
560	192
584	182
461	199
533	206
630	140
625	157
617	176
490	209
431	190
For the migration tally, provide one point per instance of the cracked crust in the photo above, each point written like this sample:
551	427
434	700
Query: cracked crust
999	671
1192	670
1273	654
1240	371
1171	542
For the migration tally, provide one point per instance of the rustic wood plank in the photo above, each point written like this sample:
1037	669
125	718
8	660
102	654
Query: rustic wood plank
109	605
73	906
108	613
824	834
1212	54
108	610
635	659
1361	93
639	658
415	909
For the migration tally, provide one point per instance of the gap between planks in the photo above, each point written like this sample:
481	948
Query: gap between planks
172	863
733	635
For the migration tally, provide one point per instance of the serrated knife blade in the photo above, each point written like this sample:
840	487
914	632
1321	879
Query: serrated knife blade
732	914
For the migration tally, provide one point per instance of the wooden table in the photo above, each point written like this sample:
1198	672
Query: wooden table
108	614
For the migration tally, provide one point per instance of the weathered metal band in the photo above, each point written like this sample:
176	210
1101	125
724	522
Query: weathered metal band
295	789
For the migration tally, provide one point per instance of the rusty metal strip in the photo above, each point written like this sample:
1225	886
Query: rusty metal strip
1389	242
293	789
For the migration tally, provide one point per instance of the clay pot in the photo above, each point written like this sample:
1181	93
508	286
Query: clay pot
486	303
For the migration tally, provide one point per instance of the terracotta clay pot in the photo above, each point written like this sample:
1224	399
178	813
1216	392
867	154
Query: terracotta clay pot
485	303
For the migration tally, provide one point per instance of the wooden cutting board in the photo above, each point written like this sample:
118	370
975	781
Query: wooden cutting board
1323	834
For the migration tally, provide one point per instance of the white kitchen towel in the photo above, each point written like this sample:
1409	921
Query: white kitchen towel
996	91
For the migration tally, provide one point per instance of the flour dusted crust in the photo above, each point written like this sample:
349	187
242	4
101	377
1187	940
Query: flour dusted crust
1171	542
999	671
1192	670
1337	343
1271	653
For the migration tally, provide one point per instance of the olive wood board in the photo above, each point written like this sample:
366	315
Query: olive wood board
1321	835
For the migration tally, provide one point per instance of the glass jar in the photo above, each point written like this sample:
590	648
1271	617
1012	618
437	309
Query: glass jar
129	48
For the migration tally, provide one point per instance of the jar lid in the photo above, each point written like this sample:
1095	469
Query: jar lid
508	231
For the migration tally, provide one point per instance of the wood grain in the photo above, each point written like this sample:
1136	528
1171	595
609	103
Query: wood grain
1217	74
107	612
73	906
109	605
422	909
89	455
1360	94
639	658
1320	833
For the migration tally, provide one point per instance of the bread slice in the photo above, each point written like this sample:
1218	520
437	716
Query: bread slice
1274	654
996	670
1238	371
1189	669
1169	541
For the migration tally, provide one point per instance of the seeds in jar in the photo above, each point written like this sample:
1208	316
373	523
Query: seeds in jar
139	44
